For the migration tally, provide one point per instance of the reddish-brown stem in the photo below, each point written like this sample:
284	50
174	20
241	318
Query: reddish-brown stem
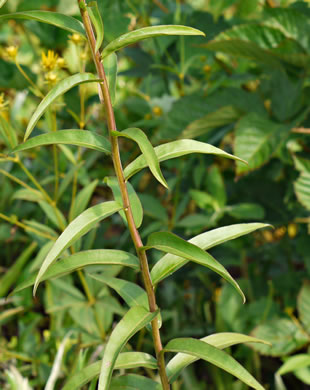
106	101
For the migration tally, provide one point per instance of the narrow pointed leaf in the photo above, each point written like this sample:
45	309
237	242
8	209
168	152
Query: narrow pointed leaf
53	214
147	32
59	89
8	133
110	68
215	356
134	382
171	263
76	229
125	360
134	320
132	294
97	22
170	243
135	203
82	199
79	260
56	19
219	340
176	149
147	150
84	138
294	363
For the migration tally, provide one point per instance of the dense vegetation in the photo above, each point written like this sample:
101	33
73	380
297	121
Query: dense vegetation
244	88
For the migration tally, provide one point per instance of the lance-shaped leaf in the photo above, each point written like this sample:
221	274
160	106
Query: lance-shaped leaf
134	320
59	89
294	363
2	2
79	260
56	19
171	263
219	340
125	360
147	32
170	243
134	382
97	22
135	203
215	356
147	150
84	138
8	133
53	214
176	149
110	68
76	229
82	199
132	294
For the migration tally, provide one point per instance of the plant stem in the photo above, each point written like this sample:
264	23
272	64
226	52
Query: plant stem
106	101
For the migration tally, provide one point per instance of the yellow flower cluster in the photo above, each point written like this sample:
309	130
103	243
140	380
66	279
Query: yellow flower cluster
51	62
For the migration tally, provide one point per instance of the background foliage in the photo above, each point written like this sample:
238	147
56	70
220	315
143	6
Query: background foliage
245	89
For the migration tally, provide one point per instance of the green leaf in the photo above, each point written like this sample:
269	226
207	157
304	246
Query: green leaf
56	19
246	211
147	32
8	133
284	336
134	382
171	263
82	199
132	293
2	2
29	195
222	117
176	149
134	320
135	203
97	22
125	360
53	214
256	140
110	68
170	243
84	138
219	340
69	264
302	189
213	355
303	306
294	363
76	229
147	150
59	89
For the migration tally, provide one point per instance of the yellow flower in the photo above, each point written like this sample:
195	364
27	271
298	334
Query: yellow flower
49	61
75	38
157	111
292	230
3	103
11	52
61	63
51	78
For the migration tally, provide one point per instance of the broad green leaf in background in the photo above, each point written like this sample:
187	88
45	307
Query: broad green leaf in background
110	68
219	340
147	150
60	88
82	259
134	320
302	189
135	203
125	360
56	19
176	149
172	244
246	211
10	277
303	306
134	382
256	140
171	263
213	355
216	186
222	117
96	19
76	229
84	138
147	32
132	293
294	363
82	199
